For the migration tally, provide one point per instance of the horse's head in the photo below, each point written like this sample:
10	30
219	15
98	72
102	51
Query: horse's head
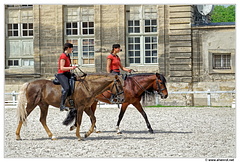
116	89
160	86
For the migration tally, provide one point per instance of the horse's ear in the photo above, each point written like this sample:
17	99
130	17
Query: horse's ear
158	75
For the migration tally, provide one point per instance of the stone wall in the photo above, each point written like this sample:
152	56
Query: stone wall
184	51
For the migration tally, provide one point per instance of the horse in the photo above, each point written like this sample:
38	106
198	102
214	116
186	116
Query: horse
136	87
44	93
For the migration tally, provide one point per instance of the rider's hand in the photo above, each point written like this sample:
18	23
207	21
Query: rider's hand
129	70
74	67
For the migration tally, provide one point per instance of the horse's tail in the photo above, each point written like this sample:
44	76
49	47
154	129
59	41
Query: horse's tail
22	100
70	117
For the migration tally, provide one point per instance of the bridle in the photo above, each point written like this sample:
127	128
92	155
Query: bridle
159	90
115	98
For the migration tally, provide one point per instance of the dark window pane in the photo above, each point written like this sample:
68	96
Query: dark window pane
74	31
147	39
147	29
137	47
74	25
30	26
130	40
131	60
25	26
91	31
137	40
130	23
15	62
15	26
147	22
154	53
85	31
137	29
147	60
25	33
10	62
147	53
85	25
137	23
137	60
15	33
30	32
68	25
91	24
68	32
147	46
130	53
9	26
154	22
130	29
137	53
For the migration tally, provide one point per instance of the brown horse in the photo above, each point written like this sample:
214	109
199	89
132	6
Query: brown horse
136	86
44	93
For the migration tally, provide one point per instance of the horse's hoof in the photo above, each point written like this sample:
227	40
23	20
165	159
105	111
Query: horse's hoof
119	132
54	138
150	131
18	138
80	139
72	128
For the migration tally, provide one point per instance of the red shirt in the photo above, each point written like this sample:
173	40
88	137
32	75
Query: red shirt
115	62
67	62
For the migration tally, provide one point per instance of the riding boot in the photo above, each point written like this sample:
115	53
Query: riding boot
63	99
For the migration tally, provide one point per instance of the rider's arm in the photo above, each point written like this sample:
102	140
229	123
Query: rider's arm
62	63
123	68
108	65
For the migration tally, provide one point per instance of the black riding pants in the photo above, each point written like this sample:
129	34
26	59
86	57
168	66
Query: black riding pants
63	79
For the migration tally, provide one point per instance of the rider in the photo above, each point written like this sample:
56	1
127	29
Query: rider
64	67
114	62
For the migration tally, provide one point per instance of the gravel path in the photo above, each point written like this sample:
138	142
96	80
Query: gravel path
188	132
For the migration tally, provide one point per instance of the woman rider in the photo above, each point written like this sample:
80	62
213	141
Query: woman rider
64	67
113	61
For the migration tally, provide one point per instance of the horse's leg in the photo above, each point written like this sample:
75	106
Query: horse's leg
43	116
79	120
140	109
93	121
120	116
94	107
29	109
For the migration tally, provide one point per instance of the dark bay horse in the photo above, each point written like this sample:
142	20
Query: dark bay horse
44	93
135	87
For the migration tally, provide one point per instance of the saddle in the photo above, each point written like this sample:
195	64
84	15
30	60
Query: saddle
71	83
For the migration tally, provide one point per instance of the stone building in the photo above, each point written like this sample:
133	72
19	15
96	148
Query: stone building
153	38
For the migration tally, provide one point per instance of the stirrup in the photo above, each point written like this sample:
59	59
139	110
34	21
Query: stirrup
64	108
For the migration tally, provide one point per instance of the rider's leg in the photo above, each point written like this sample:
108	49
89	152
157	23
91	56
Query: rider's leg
65	84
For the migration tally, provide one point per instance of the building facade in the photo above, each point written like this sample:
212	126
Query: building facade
153	38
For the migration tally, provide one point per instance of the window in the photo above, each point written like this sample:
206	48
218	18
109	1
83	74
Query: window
71	28
87	28
13	30
142	34
19	36
79	30
27	29
88	51
221	61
